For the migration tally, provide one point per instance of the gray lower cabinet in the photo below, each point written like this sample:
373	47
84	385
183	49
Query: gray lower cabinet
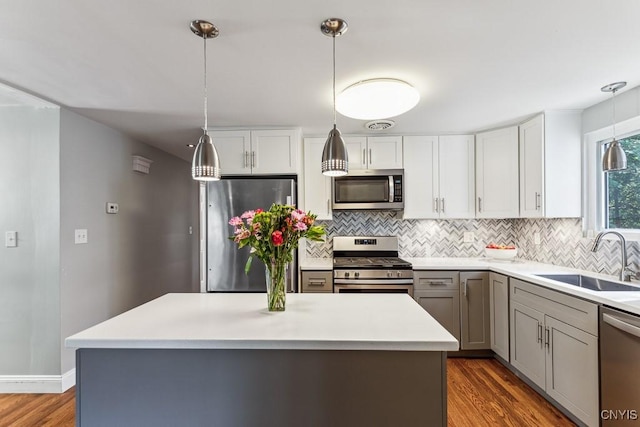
554	343
499	314
474	311
459	301
438	292
316	281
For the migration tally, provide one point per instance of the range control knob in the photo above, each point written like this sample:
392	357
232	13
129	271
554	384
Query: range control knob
399	273
389	273
357	274
346	274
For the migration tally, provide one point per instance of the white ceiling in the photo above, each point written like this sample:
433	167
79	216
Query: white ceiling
135	65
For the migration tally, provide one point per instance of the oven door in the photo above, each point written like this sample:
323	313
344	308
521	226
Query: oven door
373	287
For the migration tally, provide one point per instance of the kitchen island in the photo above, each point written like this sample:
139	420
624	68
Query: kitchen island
223	360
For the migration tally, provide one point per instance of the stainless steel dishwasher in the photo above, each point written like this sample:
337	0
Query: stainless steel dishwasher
619	368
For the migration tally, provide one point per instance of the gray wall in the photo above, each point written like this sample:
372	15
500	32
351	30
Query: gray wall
600	115
140	253
29	273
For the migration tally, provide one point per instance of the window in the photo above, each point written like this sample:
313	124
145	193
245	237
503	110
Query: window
621	201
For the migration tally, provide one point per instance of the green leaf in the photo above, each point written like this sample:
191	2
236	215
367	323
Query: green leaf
247	266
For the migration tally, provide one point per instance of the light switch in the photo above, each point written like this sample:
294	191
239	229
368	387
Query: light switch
82	236
11	239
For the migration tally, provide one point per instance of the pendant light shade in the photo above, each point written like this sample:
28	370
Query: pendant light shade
206	163
614	157
335	161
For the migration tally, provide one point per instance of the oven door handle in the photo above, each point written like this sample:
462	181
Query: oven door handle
385	282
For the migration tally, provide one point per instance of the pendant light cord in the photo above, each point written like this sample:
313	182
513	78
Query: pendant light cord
614	113
334	79
205	84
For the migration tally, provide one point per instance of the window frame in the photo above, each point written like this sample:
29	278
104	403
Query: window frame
594	180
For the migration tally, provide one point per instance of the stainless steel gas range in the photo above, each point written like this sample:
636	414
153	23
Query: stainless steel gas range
370	264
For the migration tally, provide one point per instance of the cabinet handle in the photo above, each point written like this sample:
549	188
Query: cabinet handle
437	283
442	203
369	156
253	159
246	158
464	288
320	282
436	205
538	201
546	337
479	204
364	156
540	332
328	206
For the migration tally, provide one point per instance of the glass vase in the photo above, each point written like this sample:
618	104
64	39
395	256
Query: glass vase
276	286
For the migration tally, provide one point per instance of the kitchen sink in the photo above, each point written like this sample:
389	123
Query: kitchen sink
589	282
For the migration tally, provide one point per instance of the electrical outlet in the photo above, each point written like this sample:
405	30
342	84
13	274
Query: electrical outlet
536	238
81	236
112	208
468	237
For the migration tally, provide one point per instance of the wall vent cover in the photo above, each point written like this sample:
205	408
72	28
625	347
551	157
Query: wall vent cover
380	124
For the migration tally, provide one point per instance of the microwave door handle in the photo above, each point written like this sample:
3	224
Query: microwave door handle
391	192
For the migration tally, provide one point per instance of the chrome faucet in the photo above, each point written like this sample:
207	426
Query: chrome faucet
626	273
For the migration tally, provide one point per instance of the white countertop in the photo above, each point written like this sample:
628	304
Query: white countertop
241	321
527	270
316	264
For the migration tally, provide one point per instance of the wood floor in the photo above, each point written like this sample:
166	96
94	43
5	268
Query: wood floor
481	392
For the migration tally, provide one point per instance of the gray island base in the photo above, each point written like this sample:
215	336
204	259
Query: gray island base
221	360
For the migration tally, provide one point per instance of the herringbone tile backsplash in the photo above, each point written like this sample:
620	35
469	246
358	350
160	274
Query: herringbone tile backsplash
561	239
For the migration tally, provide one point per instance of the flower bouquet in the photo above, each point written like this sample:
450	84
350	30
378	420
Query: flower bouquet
273	235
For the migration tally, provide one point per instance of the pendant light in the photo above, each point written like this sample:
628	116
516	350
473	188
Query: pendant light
335	161
614	158
206	164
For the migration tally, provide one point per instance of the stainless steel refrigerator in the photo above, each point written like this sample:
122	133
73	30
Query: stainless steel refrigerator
231	197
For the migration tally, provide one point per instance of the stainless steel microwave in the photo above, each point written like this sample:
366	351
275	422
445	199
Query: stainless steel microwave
379	189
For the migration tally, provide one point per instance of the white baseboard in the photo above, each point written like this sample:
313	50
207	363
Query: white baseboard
38	383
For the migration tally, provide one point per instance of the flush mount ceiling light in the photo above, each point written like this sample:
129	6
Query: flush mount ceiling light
614	157
335	161
206	163
377	99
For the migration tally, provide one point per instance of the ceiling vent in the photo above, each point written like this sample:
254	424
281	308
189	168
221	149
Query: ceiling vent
380	125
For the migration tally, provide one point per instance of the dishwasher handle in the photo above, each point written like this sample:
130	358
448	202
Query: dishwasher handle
619	324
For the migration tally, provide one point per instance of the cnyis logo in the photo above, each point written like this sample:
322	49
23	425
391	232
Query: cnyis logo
619	414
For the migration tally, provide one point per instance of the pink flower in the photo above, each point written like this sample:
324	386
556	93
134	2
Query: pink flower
242	235
235	221
276	238
248	215
300	226
298	215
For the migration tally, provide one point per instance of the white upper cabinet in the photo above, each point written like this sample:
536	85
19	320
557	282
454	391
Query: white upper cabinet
550	170
374	152
439	176
497	185
317	187
257	151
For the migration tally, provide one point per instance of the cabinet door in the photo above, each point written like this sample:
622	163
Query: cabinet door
384	152
497	185
317	187
444	306
572	369
357	152
499	314
474	311
420	155
527	352
532	168
234	151
457	176
274	151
